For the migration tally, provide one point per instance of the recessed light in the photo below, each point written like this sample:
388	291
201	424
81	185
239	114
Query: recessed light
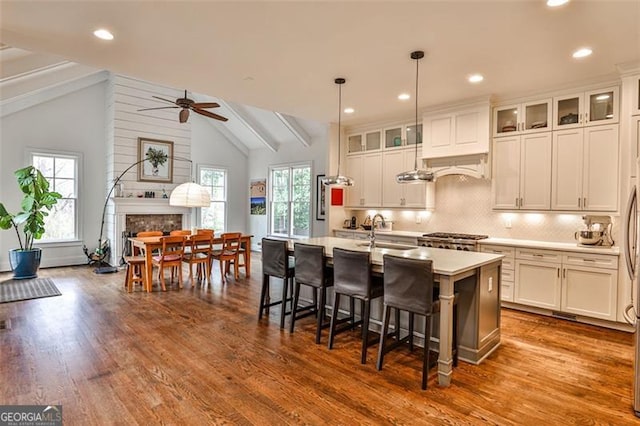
103	34
404	96
582	53
349	110
475	78
556	3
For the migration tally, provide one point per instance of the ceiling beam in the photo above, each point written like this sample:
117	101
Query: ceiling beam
293	126
250	124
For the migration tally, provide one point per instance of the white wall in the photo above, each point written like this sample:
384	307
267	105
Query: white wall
258	168
74	122
210	148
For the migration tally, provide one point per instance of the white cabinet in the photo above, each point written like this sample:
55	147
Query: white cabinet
506	271
585	169
455	133
522	172
591	108
527	117
635	96
366	141
537	278
590	285
366	170
402	136
401	195
396	239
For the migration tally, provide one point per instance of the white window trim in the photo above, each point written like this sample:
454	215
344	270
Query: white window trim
199	167
269	192
29	153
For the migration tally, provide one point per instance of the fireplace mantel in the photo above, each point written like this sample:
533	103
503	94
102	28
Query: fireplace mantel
140	206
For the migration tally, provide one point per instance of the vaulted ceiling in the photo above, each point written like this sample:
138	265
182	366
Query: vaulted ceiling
283	56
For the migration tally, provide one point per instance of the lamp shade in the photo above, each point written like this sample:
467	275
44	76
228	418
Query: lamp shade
415	176
190	195
339	180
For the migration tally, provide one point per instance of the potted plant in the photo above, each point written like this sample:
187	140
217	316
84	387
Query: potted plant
37	198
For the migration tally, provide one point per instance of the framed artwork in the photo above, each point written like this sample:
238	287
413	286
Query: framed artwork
320	198
158	166
258	196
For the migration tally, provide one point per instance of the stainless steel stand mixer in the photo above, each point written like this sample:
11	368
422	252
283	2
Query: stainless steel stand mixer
598	231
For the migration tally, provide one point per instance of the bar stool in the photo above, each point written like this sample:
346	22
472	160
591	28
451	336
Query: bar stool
408	286
311	271
135	272
275	263
352	277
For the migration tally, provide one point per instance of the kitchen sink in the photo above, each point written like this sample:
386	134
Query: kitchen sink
389	246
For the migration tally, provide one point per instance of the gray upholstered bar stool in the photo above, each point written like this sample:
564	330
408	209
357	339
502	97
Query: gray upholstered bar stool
408	286
311	271
275	263
352	277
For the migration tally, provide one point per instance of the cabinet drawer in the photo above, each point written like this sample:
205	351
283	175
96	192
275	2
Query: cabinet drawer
507	263
539	255
592	260
507	275
508	252
506	292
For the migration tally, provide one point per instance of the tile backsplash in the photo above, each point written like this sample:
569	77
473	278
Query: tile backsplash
463	204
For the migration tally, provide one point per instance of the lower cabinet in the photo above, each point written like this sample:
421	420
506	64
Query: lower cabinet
570	282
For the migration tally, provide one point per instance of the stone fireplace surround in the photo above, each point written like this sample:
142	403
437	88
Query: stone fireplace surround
155	209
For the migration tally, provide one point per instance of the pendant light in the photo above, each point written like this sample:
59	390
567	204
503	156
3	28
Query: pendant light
338	179
416	175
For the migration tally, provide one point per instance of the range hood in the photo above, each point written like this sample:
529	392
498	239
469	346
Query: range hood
476	165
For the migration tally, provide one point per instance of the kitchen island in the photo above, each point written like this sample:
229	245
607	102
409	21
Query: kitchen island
474	276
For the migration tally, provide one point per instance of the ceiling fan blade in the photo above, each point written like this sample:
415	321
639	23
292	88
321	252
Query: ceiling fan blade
205	105
149	109
163	99
210	114
184	115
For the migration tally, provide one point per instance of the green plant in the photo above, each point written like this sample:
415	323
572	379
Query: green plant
156	157
36	199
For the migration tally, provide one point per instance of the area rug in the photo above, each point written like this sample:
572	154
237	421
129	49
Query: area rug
14	290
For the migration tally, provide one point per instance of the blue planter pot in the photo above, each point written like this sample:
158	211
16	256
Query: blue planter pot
25	263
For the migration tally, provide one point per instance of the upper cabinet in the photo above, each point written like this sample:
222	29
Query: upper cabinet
635	108
528	117
367	141
456	132
403	135
589	108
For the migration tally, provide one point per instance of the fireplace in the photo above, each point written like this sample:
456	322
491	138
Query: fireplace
131	215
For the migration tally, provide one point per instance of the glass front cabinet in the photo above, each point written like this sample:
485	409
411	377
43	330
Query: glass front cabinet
402	136
528	117
590	108
368	141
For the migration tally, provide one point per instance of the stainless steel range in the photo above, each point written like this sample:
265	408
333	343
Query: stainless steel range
452	241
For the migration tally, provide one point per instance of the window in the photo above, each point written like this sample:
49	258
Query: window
290	201
62	173
215	216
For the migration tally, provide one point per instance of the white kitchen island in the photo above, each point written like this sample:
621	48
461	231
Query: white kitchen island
474	276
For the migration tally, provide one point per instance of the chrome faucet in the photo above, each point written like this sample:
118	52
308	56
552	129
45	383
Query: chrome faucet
372	234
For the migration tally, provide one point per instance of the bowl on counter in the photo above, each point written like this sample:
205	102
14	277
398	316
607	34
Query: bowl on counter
589	237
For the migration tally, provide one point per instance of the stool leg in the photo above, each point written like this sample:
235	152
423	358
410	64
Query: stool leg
352	307
425	361
264	294
128	279
323	301
365	330
285	293
383	335
294	305
411	318
397	324
334	319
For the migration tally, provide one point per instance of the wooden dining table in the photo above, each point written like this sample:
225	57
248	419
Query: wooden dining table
149	244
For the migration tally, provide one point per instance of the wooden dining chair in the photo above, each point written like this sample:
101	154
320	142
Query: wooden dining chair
136	250
205	231
170	256
228	253
199	255
183	232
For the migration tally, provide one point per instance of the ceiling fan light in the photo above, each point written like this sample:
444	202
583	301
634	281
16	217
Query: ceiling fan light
184	115
190	194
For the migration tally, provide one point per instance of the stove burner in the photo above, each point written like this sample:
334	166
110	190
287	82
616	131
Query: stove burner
455	236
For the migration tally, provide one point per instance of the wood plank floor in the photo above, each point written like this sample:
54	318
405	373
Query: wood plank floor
200	356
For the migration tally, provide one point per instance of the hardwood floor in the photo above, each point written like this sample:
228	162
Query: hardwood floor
200	356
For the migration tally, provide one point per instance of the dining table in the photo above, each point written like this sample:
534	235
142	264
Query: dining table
148	244
472	278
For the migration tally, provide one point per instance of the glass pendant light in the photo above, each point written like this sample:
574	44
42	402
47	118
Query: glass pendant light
416	175
338	179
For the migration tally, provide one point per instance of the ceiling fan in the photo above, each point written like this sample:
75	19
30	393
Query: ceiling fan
189	105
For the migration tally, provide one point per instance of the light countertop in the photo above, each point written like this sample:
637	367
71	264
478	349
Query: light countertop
549	245
412	234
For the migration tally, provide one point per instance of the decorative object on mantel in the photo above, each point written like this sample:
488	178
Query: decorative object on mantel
156	153
416	175
339	179
188	194
189	105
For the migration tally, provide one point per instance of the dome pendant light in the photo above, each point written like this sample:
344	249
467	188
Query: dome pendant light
338	179
416	175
